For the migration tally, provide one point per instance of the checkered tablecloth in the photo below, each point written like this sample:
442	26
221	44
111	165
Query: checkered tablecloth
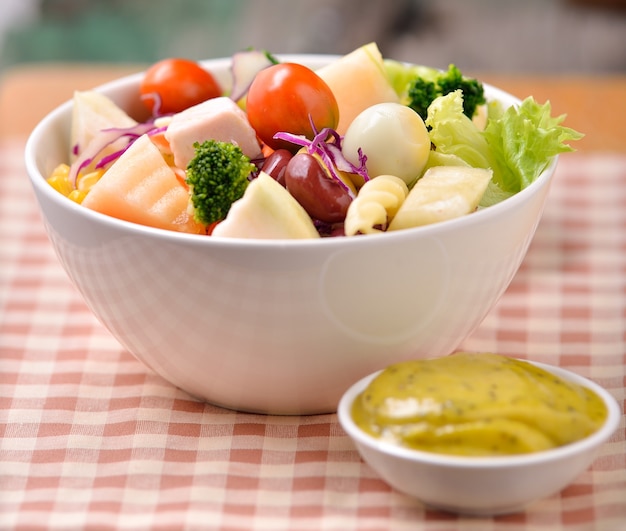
91	439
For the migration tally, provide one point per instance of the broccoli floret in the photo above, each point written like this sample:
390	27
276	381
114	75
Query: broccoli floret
217	176
423	91
421	94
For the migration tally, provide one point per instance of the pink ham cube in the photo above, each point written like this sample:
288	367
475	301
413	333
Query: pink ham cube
218	119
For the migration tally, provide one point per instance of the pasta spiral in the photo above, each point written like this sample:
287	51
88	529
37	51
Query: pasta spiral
375	205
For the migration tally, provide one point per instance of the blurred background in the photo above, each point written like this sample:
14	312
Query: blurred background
566	36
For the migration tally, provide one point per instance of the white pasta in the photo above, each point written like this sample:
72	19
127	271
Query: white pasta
375	205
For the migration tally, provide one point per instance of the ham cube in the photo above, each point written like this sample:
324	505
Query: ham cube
218	119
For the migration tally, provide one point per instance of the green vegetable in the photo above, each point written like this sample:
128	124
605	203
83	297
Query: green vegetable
217	176
472	89
517	144
400	75
419	86
524	140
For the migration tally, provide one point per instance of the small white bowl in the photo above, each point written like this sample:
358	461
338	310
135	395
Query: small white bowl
479	485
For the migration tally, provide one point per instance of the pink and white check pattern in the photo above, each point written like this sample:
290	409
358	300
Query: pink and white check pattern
91	439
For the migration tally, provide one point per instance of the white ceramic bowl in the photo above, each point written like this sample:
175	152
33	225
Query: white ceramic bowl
279	326
479	485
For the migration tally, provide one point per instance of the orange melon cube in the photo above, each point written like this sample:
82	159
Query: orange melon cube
141	188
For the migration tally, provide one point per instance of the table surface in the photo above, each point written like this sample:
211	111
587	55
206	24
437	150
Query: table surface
90	438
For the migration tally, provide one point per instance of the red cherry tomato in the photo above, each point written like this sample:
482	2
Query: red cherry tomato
286	97
172	85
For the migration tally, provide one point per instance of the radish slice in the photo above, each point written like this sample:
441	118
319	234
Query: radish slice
245	66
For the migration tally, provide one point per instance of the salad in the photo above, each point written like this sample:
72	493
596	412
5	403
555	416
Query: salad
362	145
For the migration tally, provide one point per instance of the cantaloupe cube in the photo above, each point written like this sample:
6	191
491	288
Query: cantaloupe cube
358	80
140	187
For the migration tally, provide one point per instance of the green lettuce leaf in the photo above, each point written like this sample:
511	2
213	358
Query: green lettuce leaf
401	74
453	133
524	141
517	144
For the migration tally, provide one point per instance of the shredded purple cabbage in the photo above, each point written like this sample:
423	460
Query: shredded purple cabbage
104	161
103	140
327	145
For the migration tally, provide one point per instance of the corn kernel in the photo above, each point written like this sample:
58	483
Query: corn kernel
85	182
59	179
77	195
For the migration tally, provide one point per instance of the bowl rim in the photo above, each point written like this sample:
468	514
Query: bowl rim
62	113
390	449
